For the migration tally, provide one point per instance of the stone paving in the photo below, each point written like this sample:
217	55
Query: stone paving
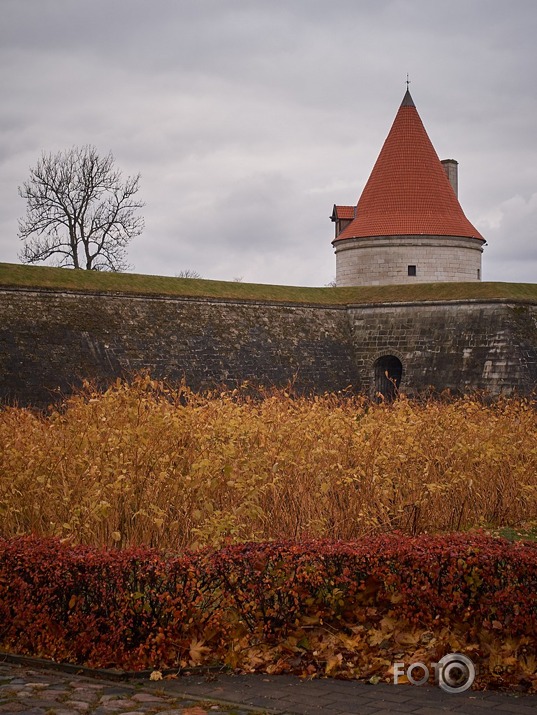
31	691
25	691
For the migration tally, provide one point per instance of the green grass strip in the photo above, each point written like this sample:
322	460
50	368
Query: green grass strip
22	276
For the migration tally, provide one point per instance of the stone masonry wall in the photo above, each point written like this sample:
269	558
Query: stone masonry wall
50	341
460	346
385	260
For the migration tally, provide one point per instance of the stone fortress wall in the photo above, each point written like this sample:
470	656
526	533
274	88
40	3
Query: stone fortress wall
50	340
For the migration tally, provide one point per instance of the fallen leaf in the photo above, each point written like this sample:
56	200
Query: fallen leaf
197	651
376	638
333	662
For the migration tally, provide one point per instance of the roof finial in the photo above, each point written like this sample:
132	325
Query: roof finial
407	99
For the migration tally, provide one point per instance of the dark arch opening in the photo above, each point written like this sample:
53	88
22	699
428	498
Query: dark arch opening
388	374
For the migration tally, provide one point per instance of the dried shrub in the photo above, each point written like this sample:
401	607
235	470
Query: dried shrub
144	464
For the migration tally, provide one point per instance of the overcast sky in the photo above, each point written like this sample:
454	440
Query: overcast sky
249	119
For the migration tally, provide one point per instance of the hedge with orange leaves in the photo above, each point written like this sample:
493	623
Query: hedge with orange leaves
343	608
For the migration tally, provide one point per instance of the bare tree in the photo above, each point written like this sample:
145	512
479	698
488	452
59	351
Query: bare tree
79	211
187	273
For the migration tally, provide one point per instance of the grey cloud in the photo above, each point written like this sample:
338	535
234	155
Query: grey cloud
512	240
249	119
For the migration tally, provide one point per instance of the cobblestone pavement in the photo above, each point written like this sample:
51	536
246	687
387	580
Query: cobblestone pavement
30	691
25	691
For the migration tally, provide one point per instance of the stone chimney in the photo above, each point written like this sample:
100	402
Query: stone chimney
452	173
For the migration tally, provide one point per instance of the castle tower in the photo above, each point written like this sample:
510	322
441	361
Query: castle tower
408	225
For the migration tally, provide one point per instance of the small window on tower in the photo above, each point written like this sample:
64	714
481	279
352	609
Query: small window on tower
412	270
478	274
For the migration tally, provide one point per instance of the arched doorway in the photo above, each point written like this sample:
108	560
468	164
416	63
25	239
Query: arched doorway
388	371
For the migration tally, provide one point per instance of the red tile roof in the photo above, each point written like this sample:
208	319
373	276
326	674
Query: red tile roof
408	192
344	212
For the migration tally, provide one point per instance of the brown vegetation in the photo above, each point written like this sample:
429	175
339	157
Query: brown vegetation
144	464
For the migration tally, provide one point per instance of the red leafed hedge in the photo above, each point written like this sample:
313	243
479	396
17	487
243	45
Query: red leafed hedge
140	609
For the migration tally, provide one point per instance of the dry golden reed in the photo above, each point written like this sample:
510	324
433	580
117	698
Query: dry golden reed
146	464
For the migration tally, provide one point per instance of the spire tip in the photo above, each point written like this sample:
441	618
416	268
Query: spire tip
407	99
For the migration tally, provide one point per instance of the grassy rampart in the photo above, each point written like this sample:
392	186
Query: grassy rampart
19	276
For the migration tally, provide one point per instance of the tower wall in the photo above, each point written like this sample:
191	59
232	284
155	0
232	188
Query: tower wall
383	260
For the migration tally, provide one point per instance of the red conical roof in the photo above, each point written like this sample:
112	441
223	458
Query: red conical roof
408	192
